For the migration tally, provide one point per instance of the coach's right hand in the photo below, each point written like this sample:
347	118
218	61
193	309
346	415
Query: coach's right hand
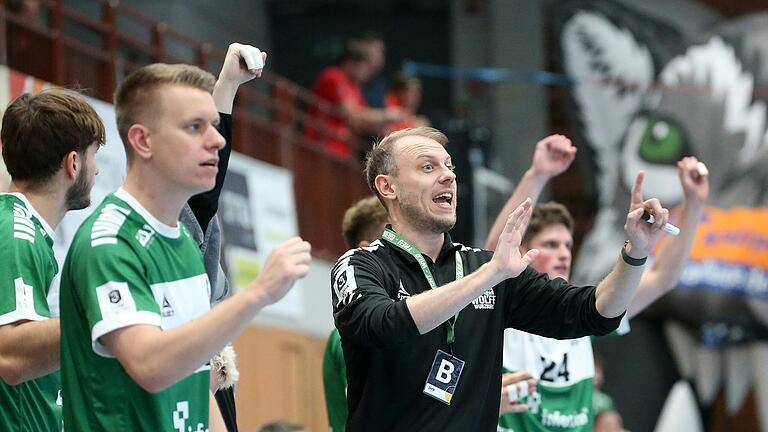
507	260
286	264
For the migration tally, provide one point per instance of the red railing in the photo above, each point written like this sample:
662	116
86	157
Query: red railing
70	47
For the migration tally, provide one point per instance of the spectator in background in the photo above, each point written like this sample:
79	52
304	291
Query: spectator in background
375	88
405	94
349	114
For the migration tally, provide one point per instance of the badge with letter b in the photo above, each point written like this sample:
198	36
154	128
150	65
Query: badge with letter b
444	377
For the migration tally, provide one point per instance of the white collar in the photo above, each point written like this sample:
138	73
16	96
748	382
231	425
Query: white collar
163	229
32	210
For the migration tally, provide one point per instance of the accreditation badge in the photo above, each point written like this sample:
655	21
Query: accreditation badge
444	377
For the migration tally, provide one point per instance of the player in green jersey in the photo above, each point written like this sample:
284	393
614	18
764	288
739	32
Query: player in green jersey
137	330
564	369
49	145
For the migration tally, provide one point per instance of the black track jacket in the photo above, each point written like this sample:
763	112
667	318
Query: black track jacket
388	361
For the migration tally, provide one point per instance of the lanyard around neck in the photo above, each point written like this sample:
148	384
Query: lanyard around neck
398	241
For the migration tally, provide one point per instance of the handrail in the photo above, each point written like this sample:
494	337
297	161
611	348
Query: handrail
270	115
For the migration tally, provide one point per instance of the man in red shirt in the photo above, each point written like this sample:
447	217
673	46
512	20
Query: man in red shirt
405	93
347	113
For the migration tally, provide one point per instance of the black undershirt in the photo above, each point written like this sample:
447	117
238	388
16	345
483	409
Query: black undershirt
205	206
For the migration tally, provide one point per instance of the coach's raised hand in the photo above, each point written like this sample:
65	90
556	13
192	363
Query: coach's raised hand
642	235
507	260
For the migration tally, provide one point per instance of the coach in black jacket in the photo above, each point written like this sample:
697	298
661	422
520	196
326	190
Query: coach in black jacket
422	318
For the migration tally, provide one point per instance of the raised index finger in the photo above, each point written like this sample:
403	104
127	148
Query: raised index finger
637	191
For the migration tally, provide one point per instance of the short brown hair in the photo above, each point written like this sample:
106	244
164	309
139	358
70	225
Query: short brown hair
362	221
137	94
39	130
381	158
545	215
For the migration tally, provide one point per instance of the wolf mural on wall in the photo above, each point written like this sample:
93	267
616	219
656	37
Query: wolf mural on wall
645	97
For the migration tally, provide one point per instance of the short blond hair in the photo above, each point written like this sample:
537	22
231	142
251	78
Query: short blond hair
381	158
363	221
137	95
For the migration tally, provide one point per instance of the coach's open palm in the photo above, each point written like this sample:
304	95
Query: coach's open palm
507	259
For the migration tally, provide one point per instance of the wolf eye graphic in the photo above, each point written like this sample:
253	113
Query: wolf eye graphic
663	141
655	143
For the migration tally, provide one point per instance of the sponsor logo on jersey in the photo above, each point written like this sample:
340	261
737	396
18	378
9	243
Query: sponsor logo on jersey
107	225
167	309
115	297
180	416
344	283
559	420
487	300
145	235
402	294
23	227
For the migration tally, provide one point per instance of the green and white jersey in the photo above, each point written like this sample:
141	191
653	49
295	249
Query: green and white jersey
563	370
27	269
124	268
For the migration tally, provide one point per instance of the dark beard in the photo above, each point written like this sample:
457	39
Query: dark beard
79	194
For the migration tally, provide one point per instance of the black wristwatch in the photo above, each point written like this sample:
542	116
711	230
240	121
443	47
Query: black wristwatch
637	262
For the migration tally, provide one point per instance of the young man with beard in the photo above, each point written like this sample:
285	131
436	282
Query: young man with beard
423	342
49	144
564	369
137	328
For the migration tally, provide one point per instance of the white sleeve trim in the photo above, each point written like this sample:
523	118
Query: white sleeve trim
117	322
21	315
